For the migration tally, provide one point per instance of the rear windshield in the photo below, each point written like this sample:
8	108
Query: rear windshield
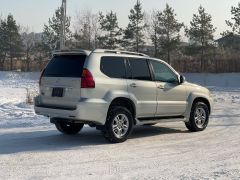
65	66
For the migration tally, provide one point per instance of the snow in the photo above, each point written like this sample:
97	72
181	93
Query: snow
14	111
228	80
31	148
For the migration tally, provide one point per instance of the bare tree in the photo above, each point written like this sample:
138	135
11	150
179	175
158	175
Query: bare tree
29	41
151	22
86	29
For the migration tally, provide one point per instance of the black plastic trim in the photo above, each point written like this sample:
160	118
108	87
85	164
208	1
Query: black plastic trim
160	117
57	107
58	120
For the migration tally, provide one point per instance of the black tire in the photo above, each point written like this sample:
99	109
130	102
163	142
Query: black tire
198	123
188	126
110	133
69	128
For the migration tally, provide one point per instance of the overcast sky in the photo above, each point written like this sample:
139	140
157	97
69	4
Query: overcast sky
34	13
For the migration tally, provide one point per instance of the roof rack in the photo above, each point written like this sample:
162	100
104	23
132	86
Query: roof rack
119	52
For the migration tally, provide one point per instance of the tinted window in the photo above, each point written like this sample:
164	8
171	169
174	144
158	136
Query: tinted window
140	69
65	66
163	73
113	67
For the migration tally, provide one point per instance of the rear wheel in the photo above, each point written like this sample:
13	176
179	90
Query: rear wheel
199	117
69	128
119	125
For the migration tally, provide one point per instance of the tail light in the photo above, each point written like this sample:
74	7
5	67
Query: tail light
40	79
87	80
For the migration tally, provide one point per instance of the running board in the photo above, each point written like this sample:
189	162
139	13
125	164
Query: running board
149	120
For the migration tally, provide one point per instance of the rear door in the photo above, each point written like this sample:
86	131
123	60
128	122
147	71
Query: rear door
141	87
61	80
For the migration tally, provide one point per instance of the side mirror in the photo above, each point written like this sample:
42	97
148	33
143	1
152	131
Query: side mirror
182	79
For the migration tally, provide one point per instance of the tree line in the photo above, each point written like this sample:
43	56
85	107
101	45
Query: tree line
159	34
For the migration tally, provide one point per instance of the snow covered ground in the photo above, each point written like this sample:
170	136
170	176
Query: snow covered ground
31	148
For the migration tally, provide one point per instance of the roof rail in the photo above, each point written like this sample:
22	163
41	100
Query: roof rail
119	52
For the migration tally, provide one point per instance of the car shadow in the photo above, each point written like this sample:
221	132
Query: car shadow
146	131
52	140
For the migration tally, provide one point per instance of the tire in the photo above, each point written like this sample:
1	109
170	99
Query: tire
119	125
69	128
199	117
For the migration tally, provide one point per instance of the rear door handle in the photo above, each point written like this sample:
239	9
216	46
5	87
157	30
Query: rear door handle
133	85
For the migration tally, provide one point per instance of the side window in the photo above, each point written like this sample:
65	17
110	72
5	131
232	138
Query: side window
163	73
140	69
113	67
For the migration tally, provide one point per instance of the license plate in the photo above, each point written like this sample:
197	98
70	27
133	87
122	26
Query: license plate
57	92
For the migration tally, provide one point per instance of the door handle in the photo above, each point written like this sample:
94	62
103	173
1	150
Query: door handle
160	87
133	85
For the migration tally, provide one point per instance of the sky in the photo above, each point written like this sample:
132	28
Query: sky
35	13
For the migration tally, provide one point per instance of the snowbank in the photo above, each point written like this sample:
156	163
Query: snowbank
226	80
19	79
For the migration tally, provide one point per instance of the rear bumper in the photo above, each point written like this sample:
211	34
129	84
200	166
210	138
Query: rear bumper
87	111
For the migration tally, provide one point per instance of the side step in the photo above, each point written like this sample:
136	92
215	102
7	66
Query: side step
157	119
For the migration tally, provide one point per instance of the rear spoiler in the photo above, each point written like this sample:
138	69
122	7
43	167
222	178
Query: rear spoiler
71	51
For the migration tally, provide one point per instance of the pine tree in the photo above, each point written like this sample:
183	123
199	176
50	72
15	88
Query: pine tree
232	42
11	43
2	48
52	31
110	29
83	37
201	32
133	35
41	53
234	23
167	31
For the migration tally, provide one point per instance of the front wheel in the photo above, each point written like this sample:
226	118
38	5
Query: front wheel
69	128
119	125
199	117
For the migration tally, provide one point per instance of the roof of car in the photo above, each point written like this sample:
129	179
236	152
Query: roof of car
86	52
119	52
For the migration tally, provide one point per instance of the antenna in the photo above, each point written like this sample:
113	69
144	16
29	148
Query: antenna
63	30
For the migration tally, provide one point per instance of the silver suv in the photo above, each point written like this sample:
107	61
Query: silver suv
116	90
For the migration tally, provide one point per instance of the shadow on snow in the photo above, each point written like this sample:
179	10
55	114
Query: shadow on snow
51	140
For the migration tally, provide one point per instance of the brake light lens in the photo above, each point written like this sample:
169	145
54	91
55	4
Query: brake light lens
40	79
87	80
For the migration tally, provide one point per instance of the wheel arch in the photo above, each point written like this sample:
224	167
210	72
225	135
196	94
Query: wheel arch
124	102
196	97
204	100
